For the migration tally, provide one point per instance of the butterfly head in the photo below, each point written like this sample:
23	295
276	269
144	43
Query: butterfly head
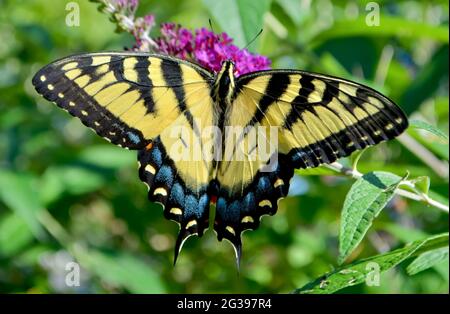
225	82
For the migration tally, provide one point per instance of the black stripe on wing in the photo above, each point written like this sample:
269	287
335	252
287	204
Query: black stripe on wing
52	83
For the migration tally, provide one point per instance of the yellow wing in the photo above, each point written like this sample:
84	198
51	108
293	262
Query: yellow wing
151	103
318	119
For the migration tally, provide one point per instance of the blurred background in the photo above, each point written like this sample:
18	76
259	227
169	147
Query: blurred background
66	195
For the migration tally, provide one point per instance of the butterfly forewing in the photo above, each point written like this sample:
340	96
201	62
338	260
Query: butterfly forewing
319	119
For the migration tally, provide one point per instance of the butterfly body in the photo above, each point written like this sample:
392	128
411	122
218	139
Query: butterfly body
206	138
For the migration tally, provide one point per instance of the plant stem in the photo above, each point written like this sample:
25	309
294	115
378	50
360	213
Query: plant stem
355	174
439	167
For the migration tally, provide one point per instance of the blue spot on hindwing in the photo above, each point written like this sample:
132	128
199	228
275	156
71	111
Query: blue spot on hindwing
177	194
156	156
233	212
263	186
249	203
221	205
203	202
191	206
165	176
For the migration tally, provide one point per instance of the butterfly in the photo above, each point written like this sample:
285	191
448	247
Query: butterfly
206	138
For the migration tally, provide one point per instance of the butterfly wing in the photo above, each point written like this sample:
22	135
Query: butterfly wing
318	119
150	103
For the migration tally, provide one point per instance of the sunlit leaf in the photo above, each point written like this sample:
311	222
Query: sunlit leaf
365	200
418	124
422	184
362	270
317	171
427	260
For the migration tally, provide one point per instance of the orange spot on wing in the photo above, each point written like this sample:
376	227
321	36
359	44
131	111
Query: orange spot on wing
149	146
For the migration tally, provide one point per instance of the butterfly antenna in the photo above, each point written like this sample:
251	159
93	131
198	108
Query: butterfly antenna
254	38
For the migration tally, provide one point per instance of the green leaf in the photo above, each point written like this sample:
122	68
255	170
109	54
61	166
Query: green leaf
354	158
124	270
389	27
317	171
32	256
241	19
427	260
71	178
402	233
365	200
108	156
14	235
422	184
292	9
362	270
418	124
18	193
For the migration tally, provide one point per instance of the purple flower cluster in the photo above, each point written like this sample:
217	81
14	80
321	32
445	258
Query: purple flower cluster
201	46
208	49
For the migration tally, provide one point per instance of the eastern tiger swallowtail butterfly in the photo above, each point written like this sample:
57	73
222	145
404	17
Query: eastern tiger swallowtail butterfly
155	103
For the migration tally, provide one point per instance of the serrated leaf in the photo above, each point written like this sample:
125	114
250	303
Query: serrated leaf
365	200
18	193
418	124
427	260
241	19
362	270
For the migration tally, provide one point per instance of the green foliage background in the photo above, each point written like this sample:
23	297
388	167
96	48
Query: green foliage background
66	195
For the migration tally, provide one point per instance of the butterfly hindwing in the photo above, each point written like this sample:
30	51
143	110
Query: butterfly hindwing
318	119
